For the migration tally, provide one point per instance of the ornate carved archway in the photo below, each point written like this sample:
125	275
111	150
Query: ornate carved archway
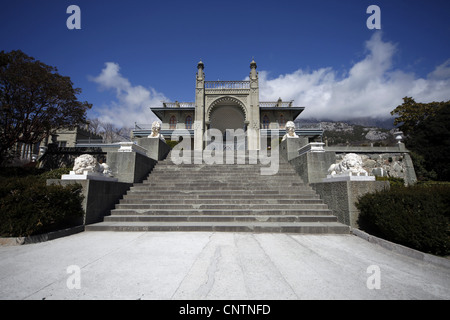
226	101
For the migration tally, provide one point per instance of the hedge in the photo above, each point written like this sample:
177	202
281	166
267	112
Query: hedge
171	143
28	206
417	217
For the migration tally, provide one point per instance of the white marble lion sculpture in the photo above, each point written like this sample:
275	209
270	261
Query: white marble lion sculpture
87	163
350	165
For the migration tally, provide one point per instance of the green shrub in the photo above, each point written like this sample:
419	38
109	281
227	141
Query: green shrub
54	174
417	217
393	182
171	143
17	172
6	172
432	183
29	207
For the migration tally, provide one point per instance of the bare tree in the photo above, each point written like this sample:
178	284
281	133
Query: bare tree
109	131
94	125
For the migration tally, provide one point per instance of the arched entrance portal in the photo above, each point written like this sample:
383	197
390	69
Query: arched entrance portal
223	117
227	117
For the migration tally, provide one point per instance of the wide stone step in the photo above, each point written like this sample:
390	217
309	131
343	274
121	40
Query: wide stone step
223	218
208	192
213	212
225	177
232	226
221	168
200	175
219	201
221	188
168	196
231	171
237	180
220	206
225	161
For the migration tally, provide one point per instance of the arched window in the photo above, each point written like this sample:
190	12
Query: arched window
266	122
173	122
282	122
188	122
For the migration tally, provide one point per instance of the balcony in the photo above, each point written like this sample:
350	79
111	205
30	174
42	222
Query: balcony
177	104
227	85
275	104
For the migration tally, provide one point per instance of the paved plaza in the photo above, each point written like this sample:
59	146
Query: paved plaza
215	265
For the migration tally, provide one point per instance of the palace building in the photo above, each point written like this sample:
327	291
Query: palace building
227	105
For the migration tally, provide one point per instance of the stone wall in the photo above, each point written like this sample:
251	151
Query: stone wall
341	196
130	167
99	196
156	148
313	166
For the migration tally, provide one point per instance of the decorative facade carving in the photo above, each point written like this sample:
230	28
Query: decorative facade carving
225	100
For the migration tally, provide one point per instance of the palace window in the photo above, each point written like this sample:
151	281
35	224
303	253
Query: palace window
282	122
266	122
173	122
188	122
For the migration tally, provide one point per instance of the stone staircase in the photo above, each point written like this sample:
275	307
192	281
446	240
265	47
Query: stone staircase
221	197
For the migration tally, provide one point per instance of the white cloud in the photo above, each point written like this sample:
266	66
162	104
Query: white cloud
132	103
372	87
442	72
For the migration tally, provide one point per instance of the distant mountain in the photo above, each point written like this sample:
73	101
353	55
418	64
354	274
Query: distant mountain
362	131
383	123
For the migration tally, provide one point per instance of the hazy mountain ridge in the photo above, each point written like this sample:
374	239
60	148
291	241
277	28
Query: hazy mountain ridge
361	131
383	123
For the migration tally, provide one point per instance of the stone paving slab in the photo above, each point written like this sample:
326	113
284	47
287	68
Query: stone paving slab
209	265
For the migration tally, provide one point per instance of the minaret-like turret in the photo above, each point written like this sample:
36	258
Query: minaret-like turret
200	73
254	116
199	121
253	73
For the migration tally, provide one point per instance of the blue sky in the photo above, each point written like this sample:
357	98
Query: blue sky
129	55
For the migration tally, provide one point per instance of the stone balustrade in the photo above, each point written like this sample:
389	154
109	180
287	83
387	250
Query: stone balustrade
177	104
311	147
275	104
227	84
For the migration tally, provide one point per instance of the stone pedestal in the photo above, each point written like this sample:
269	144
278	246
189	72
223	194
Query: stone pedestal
130	167
99	196
341	196
154	148
309	159
87	175
348	177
